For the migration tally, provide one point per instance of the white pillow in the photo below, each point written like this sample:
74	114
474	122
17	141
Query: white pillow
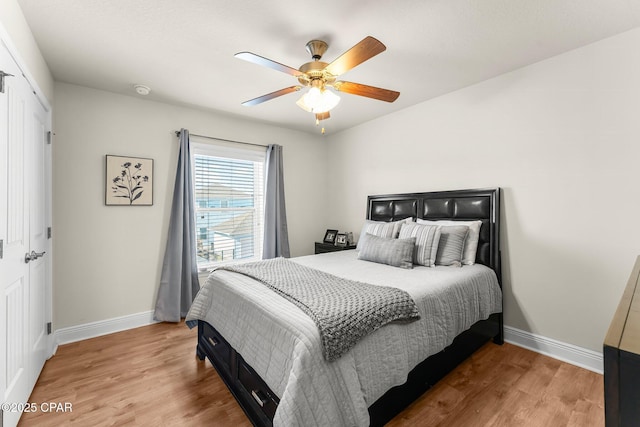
389	230
470	245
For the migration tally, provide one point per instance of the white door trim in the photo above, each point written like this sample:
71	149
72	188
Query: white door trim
13	51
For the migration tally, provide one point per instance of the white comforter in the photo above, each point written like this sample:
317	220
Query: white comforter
283	345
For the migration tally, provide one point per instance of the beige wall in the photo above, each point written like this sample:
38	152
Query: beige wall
108	258
562	138
16	27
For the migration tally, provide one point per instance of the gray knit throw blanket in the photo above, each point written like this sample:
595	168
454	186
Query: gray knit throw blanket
344	310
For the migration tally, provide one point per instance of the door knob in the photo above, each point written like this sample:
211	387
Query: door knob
33	256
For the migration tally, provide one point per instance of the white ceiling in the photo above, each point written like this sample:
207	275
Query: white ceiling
184	50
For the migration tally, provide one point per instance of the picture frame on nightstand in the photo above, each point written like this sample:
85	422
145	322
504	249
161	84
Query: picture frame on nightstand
330	236
341	239
350	238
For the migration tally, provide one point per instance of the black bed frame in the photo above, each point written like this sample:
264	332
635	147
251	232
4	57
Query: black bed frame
259	402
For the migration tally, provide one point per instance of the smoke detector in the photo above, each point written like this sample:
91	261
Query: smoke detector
142	89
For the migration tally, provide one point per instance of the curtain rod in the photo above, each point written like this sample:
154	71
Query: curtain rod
222	139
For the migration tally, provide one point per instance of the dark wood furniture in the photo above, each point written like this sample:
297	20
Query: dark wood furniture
251	392
322	248
622	358
259	402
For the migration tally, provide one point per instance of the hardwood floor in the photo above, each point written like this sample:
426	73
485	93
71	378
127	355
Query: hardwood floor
150	376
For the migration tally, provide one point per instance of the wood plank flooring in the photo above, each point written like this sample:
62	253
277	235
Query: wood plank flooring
150	376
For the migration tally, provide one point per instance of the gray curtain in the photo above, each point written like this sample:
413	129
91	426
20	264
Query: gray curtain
179	281
276	236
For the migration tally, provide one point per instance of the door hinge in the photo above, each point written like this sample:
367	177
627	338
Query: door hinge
49	328
48	232
49	137
2	76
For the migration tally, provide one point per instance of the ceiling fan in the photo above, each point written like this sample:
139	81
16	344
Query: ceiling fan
318	76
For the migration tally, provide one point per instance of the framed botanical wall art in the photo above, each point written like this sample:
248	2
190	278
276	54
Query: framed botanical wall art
129	181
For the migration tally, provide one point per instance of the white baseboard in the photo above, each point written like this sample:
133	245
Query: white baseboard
101	327
569	353
588	359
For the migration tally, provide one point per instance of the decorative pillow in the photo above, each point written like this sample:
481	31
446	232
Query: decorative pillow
395	252
451	245
471	244
427	238
382	229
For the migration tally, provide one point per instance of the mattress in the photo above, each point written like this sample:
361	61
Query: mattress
282	343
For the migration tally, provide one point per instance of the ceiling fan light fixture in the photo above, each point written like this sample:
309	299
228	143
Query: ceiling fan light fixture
300	103
318	100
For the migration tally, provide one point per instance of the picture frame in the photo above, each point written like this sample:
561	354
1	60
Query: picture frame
128	181
341	240
330	236
350	240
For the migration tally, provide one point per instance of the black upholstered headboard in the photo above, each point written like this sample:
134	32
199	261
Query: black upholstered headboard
483	204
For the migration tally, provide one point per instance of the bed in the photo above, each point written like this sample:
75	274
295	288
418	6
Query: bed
266	349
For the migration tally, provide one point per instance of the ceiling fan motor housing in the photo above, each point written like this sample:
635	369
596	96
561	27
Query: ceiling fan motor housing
315	70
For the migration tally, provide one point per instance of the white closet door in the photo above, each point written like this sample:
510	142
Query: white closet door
24	218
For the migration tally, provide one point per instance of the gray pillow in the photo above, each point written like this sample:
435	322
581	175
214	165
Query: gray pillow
451	245
471	244
395	252
382	228
427	238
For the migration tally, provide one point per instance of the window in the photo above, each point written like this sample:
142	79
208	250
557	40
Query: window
229	189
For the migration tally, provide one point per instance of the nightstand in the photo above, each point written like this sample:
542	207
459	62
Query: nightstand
329	247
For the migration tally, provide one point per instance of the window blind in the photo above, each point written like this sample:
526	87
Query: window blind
229	198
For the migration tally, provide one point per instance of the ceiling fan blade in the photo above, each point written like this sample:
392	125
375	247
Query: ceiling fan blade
366	49
266	62
267	97
368	91
323	116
